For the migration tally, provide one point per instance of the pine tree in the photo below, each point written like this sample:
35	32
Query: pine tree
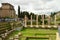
18	11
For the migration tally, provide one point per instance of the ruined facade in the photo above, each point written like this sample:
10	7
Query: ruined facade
7	10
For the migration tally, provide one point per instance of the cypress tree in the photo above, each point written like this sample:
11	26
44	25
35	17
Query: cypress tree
18	11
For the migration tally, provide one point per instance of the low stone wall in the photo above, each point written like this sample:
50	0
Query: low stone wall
16	37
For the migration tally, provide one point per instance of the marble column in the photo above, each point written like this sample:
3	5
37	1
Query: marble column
57	36
3	35
36	20
49	21
25	21
31	21
55	22
0	38
11	25
6	33
42	20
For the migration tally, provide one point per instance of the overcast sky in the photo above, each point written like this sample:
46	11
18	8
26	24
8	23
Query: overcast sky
35	6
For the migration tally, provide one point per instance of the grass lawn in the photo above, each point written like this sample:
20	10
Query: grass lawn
37	39
38	33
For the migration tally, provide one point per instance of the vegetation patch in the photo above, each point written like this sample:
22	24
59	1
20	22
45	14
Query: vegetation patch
38	34
37	38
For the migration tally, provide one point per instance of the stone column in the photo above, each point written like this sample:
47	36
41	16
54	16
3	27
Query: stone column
11	25
1	38
19	34
25	21
57	36
31	21
6	33
55	22
59	30
42	20
36	20
50	37
49	21
16	37
3	35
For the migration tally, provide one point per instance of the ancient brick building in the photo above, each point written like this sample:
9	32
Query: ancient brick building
7	10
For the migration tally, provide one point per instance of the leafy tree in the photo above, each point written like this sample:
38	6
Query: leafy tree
25	13
33	15
52	14
39	18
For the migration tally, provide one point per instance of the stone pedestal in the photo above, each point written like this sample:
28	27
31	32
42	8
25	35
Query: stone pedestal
43	26
55	26
49	26
16	37
11	38
19	34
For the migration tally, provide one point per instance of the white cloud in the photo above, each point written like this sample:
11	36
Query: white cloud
36	6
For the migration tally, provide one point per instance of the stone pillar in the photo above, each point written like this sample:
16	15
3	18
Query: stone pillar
57	36
1	39
6	34
3	35
59	30
50	37
19	34
31	21
36	20
16	37
55	22
49	21
25	21
12	26
42	20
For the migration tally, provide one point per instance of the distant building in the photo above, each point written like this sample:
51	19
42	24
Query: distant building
7	11
58	17
58	14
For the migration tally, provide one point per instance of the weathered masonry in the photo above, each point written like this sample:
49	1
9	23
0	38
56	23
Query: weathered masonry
7	10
